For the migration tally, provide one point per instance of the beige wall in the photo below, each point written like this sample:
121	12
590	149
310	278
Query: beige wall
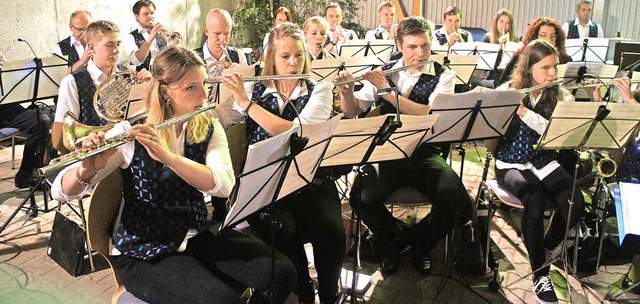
45	22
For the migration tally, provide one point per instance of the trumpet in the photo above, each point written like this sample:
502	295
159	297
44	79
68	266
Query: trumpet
607	167
386	72
115	141
172	38
587	84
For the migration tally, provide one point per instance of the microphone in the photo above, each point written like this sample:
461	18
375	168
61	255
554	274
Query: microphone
29	44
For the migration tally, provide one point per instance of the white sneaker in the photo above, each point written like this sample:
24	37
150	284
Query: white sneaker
543	288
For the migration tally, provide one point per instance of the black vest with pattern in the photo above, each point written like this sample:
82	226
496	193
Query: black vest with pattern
68	50
378	34
573	30
517	145
442	38
233	53
86	90
423	88
159	206
139	39
269	102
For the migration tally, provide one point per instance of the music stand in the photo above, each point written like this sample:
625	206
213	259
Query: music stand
588	125
381	49
290	165
588	49
625	197
488	53
373	139
328	69
508	50
135	106
479	114
576	72
24	83
463	65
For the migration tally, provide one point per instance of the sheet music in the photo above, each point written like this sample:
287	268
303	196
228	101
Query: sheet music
326	69
245	71
306	163
596	49
571	121
354	136
379	48
497	107
507	53
263	169
405	139
627	210
18	79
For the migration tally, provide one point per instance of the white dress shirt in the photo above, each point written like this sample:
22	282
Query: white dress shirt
583	31
209	59
74	43
405	82
539	124
317	110
130	46
347	34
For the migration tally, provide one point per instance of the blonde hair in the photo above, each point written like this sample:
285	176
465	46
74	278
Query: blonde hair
170	67
99	28
314	21
278	33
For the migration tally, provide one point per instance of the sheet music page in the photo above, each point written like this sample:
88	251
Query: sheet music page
258	182
306	163
351	140
497	106
596	49
629	194
405	139
507	53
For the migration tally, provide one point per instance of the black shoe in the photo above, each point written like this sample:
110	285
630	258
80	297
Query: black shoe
421	262
389	264
22	181
543	288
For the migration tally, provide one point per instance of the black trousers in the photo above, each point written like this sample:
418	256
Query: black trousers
536	195
429	173
213	269
311	215
15	116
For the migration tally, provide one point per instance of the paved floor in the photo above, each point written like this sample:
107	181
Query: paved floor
28	275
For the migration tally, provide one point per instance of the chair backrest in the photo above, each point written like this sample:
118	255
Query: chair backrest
103	210
238	145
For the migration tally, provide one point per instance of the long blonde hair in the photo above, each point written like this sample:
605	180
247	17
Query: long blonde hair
284	30
169	67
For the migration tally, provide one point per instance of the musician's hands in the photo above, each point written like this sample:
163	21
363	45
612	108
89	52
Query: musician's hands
88	53
453	38
345	88
624	86
594	92
393	31
90	166
2	61
337	35
147	135
235	83
143	75
376	77
157	28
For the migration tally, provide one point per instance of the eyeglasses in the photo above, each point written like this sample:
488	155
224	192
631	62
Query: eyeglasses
81	29
545	35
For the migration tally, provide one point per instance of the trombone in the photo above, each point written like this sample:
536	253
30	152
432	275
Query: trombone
587	84
75	129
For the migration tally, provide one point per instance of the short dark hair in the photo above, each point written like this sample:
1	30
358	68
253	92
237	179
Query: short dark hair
452	10
413	25
140	3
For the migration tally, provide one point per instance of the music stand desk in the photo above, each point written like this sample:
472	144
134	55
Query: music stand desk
381	49
32	79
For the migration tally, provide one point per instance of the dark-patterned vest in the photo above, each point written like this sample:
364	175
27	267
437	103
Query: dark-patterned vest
86	90
573	30
68	50
421	90
269	102
233	53
378	34
159	206
517	145
139	39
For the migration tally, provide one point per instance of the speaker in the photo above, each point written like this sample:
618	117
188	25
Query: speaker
67	244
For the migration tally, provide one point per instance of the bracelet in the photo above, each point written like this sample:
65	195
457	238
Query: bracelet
246	111
334	43
84	182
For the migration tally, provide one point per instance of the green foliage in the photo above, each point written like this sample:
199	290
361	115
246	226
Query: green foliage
253	19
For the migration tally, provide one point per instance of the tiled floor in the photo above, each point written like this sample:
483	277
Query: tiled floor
28	275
